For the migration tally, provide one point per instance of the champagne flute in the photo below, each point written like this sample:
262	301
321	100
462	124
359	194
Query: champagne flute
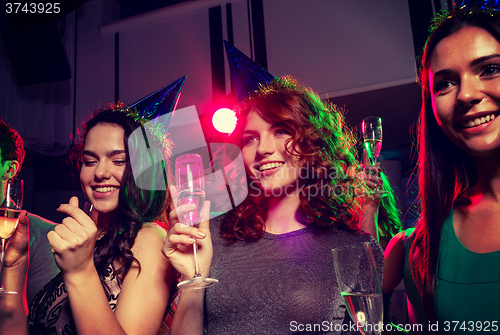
360	287
10	209
190	183
372	142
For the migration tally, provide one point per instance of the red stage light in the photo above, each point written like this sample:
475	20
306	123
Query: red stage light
224	120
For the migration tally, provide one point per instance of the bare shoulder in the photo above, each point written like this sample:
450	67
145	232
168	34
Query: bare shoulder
396	243
150	237
151	230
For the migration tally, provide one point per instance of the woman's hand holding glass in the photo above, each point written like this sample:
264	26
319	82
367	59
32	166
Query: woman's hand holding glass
73	241
371	175
178	245
17	248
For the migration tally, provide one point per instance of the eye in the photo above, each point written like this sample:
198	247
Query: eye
248	139
120	162
490	70
281	131
89	162
443	86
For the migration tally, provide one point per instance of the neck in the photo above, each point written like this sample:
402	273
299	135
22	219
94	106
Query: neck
488	183
282	215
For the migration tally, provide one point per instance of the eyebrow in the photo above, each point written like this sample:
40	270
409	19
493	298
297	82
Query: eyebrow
108	153
475	62
483	59
249	131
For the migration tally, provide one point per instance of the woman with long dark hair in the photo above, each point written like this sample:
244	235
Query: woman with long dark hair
114	278
449	261
272	253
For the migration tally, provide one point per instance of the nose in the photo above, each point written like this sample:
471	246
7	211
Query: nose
266	146
470	92
102	171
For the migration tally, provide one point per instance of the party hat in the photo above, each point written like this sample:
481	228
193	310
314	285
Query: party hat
160	102
149	145
247	76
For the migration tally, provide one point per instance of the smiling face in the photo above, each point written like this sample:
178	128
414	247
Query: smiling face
266	160
464	79
104	161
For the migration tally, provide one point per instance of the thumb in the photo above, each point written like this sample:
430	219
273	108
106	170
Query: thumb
205	215
366	161
74	202
22	226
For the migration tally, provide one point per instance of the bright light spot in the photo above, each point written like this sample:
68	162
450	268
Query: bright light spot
361	316
224	120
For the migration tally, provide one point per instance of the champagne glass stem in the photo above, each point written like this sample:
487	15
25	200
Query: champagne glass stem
196	268
1	264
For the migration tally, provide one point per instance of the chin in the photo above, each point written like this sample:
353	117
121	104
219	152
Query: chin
104	208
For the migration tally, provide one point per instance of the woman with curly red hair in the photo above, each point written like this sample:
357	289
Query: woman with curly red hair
272	254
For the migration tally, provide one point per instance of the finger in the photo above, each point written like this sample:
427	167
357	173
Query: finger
80	232
54	240
373	178
74	202
204	224
371	184
173	194
205	211
177	215
65	234
178	229
77	214
173	240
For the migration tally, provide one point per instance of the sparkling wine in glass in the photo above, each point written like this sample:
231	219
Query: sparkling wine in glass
359	284
372	141
190	184
11	201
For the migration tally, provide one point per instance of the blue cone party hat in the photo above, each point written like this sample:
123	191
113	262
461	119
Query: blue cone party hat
149	145
495	4
160	102
245	73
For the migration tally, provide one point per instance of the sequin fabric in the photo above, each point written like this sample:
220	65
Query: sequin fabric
278	283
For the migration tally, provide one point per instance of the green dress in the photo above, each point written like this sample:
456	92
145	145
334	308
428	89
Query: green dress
467	293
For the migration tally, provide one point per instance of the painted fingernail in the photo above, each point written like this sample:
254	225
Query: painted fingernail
192	240
201	234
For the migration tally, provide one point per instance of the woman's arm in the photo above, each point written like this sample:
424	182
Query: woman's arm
14	308
178	248
394	257
368	219
144	295
188	317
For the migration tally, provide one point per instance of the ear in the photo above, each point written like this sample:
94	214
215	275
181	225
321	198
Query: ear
12	168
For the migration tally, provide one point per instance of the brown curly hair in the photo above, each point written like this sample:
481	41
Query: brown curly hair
323	142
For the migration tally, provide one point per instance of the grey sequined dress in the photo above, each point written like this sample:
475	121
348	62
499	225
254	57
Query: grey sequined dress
279	284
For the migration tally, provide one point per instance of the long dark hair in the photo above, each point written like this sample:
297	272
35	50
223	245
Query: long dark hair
135	205
326	146
445	171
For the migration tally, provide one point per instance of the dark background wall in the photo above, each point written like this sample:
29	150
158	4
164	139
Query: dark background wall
55	70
